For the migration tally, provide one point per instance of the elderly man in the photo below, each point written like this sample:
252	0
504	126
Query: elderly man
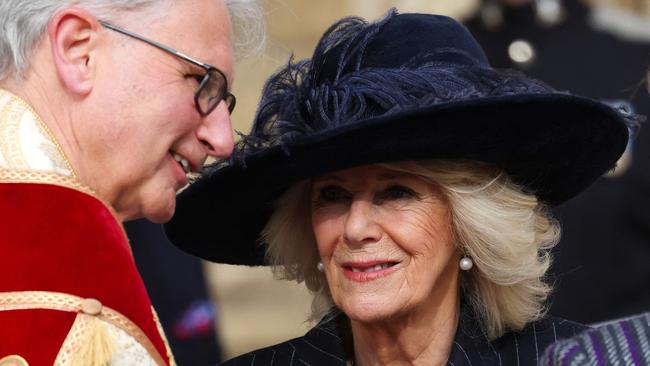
105	106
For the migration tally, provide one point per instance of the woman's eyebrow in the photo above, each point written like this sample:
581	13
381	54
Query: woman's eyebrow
393	175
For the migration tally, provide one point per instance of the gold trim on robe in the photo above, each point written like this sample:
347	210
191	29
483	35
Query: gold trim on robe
24	300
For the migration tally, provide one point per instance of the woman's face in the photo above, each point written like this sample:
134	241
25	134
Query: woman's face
386	242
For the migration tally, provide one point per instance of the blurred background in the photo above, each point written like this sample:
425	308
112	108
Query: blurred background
553	40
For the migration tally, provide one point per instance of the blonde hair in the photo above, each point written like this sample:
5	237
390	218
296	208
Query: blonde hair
504	229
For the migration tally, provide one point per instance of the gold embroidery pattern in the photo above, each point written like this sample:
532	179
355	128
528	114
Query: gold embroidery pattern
24	300
9	134
72	340
33	176
13	360
47	131
156	320
59	161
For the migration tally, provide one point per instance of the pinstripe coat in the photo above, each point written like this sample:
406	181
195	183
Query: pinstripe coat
624	342
326	343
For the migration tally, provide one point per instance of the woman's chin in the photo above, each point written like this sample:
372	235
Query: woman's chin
369	311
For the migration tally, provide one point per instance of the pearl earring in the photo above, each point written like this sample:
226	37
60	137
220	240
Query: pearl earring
466	263
320	266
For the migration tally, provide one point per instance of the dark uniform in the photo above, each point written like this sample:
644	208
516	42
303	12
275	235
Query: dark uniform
601	268
177	288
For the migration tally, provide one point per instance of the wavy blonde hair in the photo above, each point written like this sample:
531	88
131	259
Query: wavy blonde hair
505	230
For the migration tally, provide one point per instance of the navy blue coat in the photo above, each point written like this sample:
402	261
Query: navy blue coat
325	344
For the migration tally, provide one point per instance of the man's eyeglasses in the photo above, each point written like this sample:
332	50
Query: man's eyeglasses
213	87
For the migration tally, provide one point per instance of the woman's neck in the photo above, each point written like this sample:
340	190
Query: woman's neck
422	337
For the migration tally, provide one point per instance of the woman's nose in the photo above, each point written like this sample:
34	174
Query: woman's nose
361	226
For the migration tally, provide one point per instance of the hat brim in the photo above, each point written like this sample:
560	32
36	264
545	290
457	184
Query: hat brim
554	144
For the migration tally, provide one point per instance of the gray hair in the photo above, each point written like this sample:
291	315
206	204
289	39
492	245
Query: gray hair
24	22
248	27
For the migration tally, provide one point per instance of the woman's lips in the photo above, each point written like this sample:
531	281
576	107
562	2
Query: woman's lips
368	270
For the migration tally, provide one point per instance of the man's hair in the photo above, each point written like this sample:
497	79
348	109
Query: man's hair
248	27
24	23
505	230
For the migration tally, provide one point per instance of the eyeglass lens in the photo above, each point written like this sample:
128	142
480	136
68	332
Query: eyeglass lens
212	91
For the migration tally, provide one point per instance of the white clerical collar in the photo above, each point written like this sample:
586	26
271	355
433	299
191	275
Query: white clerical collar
26	143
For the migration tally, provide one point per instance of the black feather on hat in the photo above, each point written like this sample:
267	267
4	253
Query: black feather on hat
409	87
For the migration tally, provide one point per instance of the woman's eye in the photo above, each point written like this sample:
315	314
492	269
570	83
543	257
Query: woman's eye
331	194
398	192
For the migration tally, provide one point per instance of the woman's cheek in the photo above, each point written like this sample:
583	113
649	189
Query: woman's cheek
326	231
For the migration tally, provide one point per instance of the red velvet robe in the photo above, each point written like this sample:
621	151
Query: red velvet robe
59	247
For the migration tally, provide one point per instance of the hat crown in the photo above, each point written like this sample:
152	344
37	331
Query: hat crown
360	71
401	40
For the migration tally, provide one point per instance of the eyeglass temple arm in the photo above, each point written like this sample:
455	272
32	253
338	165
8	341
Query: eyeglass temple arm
156	44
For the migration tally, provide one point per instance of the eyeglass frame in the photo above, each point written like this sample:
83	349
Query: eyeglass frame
227	98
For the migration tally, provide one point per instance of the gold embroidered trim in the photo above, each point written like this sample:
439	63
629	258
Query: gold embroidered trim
13	360
72	340
25	300
9	126
170	355
35	176
49	133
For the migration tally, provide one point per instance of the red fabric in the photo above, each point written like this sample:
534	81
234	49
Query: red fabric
61	240
35	335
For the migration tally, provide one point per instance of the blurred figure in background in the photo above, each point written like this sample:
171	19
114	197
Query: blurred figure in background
178	291
620	342
601	269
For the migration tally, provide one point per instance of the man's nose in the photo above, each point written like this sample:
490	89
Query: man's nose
360	224
215	132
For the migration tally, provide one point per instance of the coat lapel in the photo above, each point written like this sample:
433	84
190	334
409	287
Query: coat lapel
325	343
471	346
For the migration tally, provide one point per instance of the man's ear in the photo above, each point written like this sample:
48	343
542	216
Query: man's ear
73	36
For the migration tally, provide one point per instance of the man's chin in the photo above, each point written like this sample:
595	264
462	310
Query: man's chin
161	215
159	220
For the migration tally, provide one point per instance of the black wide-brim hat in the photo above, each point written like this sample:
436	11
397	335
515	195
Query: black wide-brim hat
410	87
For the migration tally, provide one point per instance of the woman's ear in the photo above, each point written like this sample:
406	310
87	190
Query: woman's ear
73	35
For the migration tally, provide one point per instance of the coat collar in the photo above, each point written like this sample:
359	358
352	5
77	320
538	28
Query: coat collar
26	143
470	345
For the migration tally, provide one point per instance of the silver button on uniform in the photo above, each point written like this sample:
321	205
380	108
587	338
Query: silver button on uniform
521	52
